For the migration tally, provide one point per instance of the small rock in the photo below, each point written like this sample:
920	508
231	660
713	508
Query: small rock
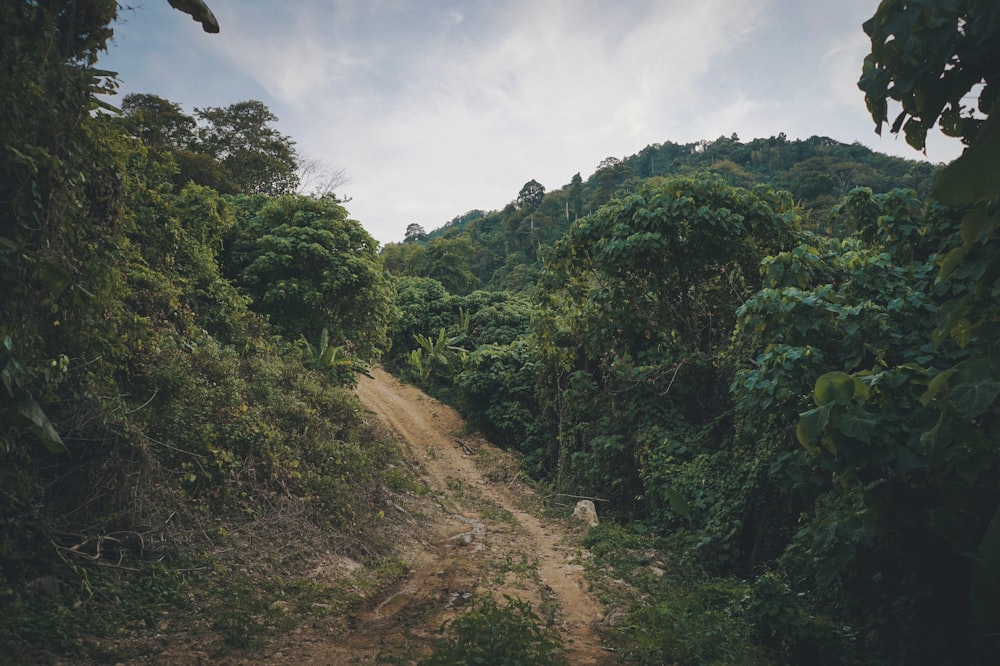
586	511
47	585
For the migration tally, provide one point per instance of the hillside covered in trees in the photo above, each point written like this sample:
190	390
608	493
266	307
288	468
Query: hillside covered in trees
775	361
502	249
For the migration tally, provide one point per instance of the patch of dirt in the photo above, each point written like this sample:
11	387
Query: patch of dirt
489	535
470	527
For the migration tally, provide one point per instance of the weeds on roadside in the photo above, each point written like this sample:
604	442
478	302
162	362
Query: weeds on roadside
494	634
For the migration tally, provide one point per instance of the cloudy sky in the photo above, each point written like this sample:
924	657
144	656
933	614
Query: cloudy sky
436	107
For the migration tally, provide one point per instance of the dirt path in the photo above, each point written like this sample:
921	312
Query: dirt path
465	526
484	537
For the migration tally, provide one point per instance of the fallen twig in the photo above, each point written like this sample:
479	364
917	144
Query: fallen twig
579	497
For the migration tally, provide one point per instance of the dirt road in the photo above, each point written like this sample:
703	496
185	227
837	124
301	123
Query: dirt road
459	522
483	537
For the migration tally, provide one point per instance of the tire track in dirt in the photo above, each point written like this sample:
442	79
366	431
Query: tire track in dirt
428	432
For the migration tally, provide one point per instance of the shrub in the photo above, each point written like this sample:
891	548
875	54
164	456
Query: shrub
491	634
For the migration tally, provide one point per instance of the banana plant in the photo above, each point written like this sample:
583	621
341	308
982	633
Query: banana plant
442	351
334	360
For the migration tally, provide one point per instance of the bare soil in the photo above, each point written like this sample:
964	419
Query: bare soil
467	526
488	535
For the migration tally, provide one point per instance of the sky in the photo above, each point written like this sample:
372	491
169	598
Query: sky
433	108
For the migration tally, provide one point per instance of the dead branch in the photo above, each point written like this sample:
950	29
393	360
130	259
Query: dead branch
578	497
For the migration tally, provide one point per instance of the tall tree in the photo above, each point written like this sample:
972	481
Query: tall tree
414	233
574	198
309	267
638	302
255	155
58	209
157	122
531	195
610	173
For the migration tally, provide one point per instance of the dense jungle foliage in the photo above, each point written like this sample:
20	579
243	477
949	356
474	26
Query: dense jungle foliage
776	359
179	335
500	250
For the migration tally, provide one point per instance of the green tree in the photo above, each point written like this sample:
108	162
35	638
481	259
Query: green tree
58	208
255	156
306	265
531	195
574	200
928	57
933	58
400	258
164	128
843	336
414	234
637	306
156	122
122	344
425	307
447	261
610	173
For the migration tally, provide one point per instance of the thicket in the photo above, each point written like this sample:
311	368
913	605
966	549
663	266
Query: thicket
793	413
153	389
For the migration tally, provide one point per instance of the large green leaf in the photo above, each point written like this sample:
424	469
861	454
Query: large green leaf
974	176
811	425
41	425
976	226
974	386
838	387
678	503
972	399
858	427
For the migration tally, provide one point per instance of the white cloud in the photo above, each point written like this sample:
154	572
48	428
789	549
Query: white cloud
842	65
437	107
549	90
287	53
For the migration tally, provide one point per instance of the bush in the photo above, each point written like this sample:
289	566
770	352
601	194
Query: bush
490	634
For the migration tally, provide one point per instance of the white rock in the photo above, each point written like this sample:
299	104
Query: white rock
587	512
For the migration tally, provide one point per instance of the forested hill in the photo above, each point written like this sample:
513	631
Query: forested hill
499	249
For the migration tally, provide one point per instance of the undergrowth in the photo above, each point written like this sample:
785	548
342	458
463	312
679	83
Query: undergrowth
225	594
233	458
497	634
671	610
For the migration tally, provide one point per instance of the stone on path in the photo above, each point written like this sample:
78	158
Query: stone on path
587	512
